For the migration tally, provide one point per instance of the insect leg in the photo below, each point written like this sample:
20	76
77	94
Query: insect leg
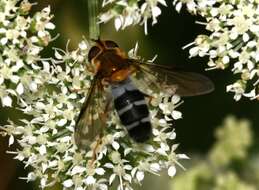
103	118
149	97
95	149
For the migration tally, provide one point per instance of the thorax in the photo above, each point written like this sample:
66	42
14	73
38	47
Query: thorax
113	66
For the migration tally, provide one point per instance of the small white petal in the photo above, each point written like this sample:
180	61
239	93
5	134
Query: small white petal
65	139
34	39
2	30
82	45
11	140
42	150
41	34
140	175
214	12
15	79
68	183
127	167
127	177
174	147
182	156
164	146
3	41
155	167
194	51
233	35
250	65
228	88
43	182
156	11
79	188
149	148
175	99
90	180
32	140
20	89
23	34
7	101
178	7
118	23
44	167
53	163
61	122
40	105
161	151
33	86
77	170
176	115
127	151
111	179
108	165
46	66
162	122
163	2
50	26
58	55
44	129
225	59
251	44
31	176
100	171
115	145
245	37
172	171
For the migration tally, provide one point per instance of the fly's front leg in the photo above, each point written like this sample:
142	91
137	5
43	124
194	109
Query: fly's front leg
90	68
93	67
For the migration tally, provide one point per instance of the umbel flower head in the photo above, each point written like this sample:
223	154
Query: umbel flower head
51	91
126	13
233	41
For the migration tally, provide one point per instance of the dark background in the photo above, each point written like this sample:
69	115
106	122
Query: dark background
201	115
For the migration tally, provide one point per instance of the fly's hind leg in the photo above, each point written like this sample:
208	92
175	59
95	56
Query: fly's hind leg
96	147
149	97
103	119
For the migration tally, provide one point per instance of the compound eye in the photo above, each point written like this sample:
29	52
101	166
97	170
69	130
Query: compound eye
93	52
110	44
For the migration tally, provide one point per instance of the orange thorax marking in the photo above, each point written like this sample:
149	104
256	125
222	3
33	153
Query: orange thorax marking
120	75
113	65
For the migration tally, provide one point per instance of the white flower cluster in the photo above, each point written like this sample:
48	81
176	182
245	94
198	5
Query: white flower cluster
22	38
126	13
233	41
51	91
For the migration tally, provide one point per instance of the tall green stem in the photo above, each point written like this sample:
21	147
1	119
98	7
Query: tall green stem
93	11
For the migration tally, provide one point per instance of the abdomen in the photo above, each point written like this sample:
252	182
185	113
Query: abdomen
132	109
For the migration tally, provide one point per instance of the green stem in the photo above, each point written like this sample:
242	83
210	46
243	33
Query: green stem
94	27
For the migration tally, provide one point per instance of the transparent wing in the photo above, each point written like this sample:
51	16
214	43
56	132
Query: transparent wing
153	78
91	120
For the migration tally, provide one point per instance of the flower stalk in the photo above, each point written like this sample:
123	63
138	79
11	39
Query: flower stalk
94	26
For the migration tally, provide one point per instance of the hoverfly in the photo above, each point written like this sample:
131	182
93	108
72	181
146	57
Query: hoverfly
129	81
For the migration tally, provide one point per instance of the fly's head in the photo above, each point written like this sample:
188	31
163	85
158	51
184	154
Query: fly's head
104	49
109	60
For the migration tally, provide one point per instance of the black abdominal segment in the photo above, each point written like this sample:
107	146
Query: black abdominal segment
134	115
